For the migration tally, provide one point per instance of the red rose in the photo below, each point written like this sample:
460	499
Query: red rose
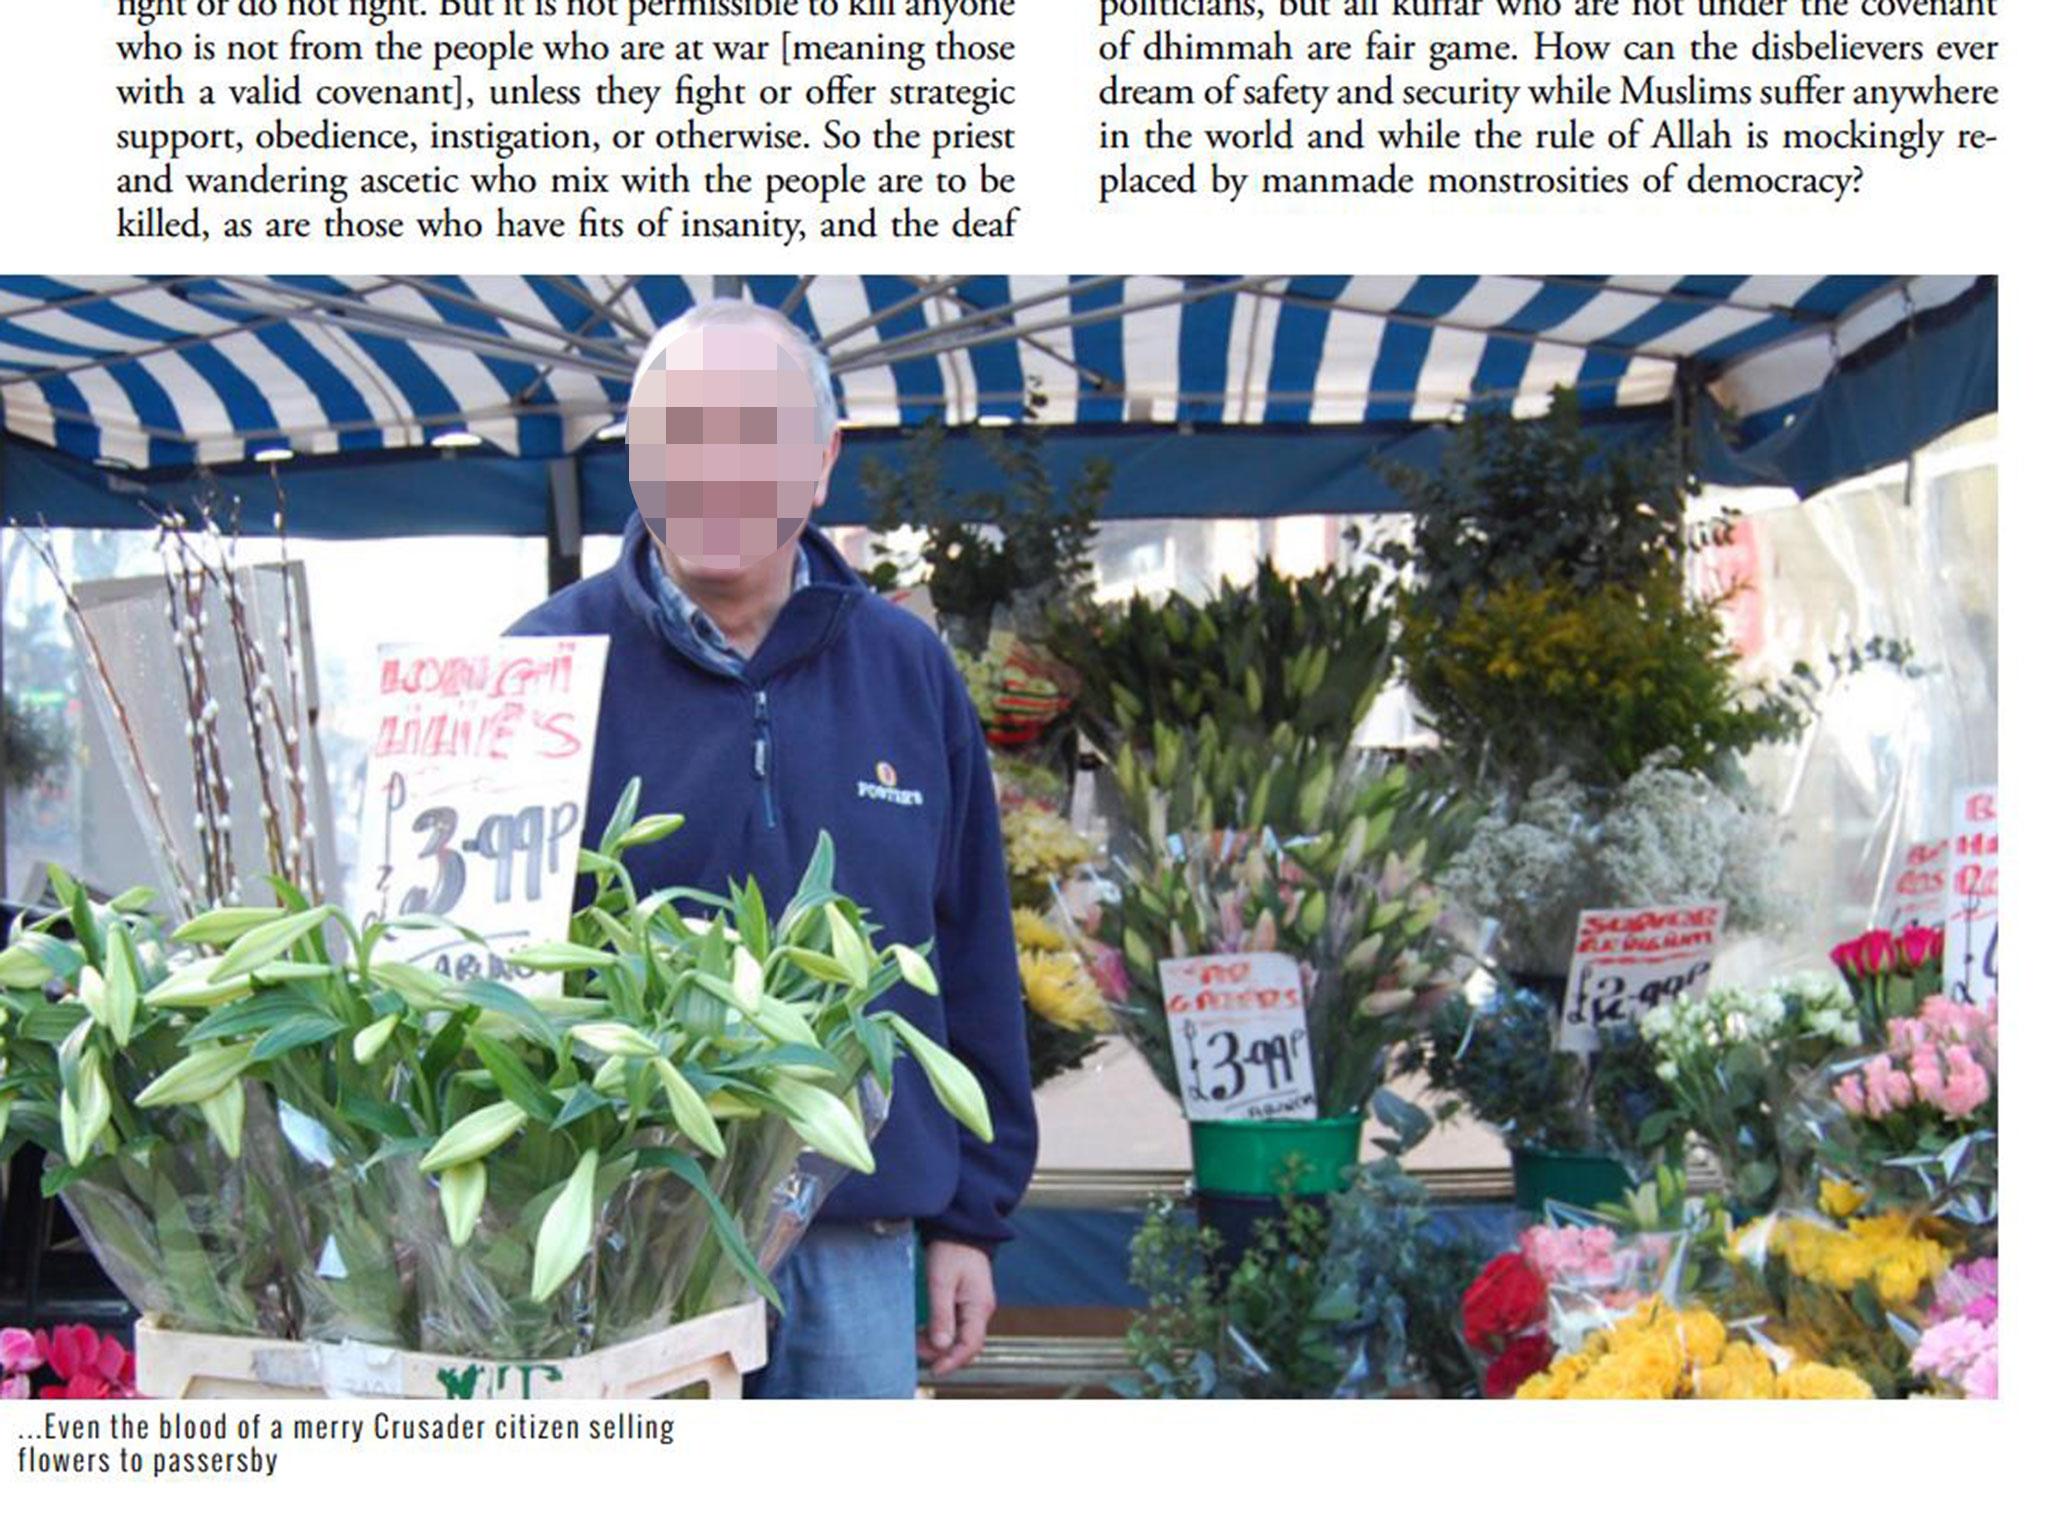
1919	947
1523	1358
1875	953
1508	1298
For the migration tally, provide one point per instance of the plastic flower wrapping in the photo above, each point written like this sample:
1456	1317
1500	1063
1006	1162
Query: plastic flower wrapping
1735	1062
262	1128
1342	883
1665	835
1061	965
1915	1123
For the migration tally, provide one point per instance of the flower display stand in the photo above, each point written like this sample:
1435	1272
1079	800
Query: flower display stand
713	1351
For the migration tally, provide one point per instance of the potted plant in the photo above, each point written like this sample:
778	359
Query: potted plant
1572	1122
1353	1296
1335	877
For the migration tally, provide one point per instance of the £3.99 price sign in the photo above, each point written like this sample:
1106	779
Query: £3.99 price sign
1240	1036
1627	960
475	806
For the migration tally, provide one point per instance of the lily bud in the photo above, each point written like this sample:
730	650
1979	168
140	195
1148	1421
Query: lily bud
474	1136
462	1199
565	1230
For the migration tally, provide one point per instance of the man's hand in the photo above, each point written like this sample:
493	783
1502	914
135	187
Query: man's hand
962	1287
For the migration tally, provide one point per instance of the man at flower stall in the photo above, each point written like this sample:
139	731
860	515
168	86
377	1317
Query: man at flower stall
758	687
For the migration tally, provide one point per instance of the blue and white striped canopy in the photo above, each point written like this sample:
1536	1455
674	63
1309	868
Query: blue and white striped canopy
149	374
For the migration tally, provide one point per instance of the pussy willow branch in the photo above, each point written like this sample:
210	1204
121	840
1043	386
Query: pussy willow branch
285	709
294	680
249	663
126	726
212	789
174	602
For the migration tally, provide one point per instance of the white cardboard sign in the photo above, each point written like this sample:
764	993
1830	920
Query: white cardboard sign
1627	960
475	803
1240	1036
1970	945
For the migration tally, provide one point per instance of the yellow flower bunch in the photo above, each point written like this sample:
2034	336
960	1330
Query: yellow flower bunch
1661	1352
1035	932
1042	847
1887	1250
1840	1199
1059	990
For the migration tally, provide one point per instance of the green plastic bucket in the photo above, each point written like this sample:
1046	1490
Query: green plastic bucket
1245	1157
1570	1178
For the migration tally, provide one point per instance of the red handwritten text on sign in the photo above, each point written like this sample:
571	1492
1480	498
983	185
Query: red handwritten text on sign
1626	961
1240	1036
483	707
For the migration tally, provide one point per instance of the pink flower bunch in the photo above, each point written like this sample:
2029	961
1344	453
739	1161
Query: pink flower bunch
1963	1352
1581	1255
86	1364
1945	1057
1968	1290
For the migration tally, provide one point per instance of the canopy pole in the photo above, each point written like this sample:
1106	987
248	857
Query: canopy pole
565	525
727	287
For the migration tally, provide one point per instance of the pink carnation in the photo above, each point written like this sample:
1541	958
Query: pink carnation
1980	1378
1967	1087
1948	1349
1925	1069
1581	1254
1849	1094
1902	1035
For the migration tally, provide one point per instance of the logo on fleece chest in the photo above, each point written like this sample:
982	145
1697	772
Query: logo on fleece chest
887	787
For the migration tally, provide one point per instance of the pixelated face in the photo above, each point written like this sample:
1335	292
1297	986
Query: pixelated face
723	447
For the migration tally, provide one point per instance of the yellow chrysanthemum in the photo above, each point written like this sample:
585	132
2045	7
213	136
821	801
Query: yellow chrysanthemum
1034	932
1743	1371
1811	1381
1058	988
1887	1250
1841	1199
1702	1336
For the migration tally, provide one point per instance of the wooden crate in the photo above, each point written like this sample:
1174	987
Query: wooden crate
713	1351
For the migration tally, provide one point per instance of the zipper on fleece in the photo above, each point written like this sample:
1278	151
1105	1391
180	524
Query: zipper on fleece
762	750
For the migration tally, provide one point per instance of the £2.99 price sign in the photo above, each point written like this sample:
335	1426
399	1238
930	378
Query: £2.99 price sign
475	806
1240	1036
1627	960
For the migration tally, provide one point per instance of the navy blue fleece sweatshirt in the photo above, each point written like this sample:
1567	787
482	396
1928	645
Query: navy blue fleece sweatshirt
849	718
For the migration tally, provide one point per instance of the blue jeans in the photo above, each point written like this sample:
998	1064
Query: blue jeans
849	1328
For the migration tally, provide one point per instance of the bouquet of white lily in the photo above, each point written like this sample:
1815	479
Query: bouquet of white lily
255	1122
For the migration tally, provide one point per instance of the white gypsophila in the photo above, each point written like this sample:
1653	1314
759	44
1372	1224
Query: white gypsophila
1532	874
1674	835
1769	1010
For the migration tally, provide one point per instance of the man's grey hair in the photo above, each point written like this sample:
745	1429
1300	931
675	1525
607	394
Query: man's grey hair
722	312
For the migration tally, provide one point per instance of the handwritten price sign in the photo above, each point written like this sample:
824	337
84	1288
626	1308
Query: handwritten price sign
1240	1037
1917	891
1970	947
478	778
1627	960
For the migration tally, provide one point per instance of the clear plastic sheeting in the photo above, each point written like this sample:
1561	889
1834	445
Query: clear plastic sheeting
1908	554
